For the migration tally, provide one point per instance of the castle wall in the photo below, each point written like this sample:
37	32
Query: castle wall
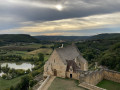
97	76
74	75
112	75
55	63
84	66
93	77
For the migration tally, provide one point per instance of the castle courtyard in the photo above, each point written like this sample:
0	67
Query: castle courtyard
65	84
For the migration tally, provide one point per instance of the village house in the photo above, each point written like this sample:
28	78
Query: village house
65	62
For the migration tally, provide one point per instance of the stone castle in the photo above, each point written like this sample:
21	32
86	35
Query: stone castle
67	62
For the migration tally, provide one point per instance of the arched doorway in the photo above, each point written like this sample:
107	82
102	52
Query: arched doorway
55	72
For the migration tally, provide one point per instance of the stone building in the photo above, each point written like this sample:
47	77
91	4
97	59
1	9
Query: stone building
65	62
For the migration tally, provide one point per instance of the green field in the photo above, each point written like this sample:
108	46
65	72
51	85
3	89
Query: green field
38	45
109	85
64	84
8	83
25	54
34	45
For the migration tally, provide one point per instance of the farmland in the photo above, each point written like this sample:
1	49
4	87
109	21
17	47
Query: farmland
25	53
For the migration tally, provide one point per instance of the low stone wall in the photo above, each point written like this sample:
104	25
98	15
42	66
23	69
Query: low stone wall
90	86
112	75
43	84
94	77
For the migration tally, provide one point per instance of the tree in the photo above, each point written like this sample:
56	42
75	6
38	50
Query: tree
28	71
41	57
4	76
25	82
0	68
12	88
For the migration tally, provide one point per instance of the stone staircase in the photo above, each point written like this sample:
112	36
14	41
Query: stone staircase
89	86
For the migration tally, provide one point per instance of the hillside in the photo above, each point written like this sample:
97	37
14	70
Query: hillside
61	38
112	36
12	38
111	57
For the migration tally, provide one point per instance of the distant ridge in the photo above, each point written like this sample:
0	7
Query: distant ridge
64	38
12	38
112	36
17	38
115	36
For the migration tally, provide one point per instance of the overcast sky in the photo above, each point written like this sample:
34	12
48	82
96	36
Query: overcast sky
59	17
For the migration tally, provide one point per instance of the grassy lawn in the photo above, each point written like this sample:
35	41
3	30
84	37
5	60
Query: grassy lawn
109	85
64	84
8	83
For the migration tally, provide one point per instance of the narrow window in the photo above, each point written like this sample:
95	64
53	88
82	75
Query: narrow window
54	60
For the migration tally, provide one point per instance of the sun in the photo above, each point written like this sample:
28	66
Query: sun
59	7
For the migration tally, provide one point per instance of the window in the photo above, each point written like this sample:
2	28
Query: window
54	60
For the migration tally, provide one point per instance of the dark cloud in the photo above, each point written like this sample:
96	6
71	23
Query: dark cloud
41	10
74	8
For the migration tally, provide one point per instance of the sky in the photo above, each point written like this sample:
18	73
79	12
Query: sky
59	17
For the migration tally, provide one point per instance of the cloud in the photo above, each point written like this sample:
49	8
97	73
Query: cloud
32	16
65	25
44	10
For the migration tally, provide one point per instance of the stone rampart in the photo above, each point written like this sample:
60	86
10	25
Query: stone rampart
112	75
93	77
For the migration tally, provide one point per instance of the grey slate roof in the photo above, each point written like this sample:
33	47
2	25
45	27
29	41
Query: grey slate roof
70	53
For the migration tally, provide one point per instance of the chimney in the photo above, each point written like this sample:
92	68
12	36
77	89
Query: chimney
62	46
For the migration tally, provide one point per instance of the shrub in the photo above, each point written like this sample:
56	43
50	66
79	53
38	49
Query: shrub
4	76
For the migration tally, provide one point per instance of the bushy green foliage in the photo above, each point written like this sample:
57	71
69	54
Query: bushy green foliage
41	56
11	58
111	57
4	76
106	52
